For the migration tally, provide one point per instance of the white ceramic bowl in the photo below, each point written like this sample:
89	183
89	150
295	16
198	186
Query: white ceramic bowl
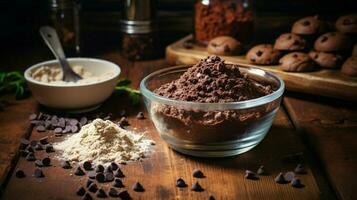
75	97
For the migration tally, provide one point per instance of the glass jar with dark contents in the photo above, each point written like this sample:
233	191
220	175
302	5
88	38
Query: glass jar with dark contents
223	17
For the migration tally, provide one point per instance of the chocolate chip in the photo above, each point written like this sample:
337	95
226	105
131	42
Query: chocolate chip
113	192
32	116
100	177
211	197
58	130
38	163
20	173
89	182
119	173
92	174
262	171
295	56
99	168
226	49
300	169
44	140
124	195
252	59
118	183
140	115
259	53
250	175
74	129
83	121
66	164
280	179
24	143
138	187
87	165
80	191
347	22
38	173
297	183
289	37
87	196
101	193
46	161
109	177
30	149
79	171
306	23
93	187
67	129
39	147
108	169
180	183
40	128
187	45
197	187
198	173
324	39
114	166
30	156
124	121
49	148
33	143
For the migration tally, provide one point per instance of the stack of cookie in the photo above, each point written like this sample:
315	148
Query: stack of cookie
308	46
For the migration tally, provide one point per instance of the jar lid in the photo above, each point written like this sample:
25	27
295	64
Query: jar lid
133	27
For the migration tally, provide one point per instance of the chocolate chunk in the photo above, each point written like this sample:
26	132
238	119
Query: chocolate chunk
124	122
101	193
118	183
99	168
113	192
38	163
66	164
259	53
114	166
33	143
46	161
58	130
87	165
180	183
140	115
89	182
38	173
92	174
44	140
295	55
80	191
306	23
138	187
119	174
39	147
30	156
33	116
20	173
30	149
24	143
108	169
226	48
93	187
289	176
211	197
297	183
198	173
40	128
300	169
100	177
324	39
79	171
262	171
280	179
49	148
250	175
124	195
87	196
109	177
197	187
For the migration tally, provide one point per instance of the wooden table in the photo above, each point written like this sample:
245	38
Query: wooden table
320	130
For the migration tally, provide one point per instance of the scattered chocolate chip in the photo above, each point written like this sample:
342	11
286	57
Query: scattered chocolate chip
189	44
124	121
20	173
211	197
24	143
180	183
280	179
24	153
92	174
30	149
44	140
289	37
33	143
83	121
324	39
113	192
226	49
293	158
306	23
138	187
74	129
295	55
93	187
259	53
118	183
109	177
66	164
30	156
262	171
296	183
114	166
99	168
41	128
124	195
80	191
67	129
58	130
89	182
49	148
87	165
33	116
289	176
87	196
79	171
198	173
39	147
197	187
101	193
140	115
46	161
38	163
108	169
300	169
250	175
100	177
119	174
73	122
38	173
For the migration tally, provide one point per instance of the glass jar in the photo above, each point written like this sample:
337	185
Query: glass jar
223	17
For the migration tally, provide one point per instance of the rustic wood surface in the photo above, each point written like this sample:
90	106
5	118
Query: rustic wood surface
224	176
330	83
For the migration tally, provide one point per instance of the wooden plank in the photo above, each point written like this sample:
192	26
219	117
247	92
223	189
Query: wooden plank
323	82
330	129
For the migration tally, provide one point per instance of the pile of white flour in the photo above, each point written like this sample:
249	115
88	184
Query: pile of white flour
102	142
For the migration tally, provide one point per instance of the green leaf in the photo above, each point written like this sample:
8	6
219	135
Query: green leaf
124	82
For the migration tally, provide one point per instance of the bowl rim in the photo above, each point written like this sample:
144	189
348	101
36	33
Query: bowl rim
213	106
116	69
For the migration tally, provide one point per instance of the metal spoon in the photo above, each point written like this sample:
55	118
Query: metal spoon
49	35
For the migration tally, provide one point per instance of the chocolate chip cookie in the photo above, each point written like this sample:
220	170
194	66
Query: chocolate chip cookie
349	67
347	23
290	42
333	41
326	60
225	46
263	54
296	62
309	26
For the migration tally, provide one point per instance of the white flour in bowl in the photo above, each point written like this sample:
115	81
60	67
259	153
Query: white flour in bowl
102	142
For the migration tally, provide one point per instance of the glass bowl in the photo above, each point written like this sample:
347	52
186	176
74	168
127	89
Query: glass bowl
211	129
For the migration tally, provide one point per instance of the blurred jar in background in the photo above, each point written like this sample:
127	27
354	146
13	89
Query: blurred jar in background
223	17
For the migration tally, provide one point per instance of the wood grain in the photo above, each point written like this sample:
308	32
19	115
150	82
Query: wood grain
330	130
330	83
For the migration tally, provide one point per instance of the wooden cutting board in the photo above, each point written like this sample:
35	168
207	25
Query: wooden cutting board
324	82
